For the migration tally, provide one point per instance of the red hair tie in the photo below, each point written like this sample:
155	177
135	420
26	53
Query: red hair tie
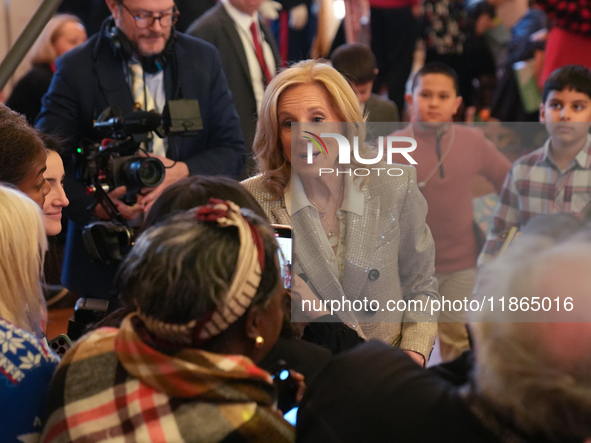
213	210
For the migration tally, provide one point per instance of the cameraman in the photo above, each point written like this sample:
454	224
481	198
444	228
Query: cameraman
138	62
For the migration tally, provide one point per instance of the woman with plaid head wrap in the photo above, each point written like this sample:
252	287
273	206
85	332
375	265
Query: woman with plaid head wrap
182	367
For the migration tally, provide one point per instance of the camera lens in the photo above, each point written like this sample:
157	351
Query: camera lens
151	172
144	172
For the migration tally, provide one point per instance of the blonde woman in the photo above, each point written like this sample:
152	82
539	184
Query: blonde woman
62	33
26	362
355	237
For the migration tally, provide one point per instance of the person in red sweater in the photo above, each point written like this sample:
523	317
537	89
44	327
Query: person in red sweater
569	41
448	157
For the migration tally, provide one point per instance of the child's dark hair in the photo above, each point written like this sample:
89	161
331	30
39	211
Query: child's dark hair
355	62
575	77
475	11
437	68
479	8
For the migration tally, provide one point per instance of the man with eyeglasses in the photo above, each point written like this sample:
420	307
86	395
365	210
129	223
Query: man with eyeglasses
137	61
148	38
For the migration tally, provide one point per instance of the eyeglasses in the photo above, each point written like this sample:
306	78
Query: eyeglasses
143	21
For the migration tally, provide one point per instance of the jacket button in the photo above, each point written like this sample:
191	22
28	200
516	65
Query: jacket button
374	274
370	313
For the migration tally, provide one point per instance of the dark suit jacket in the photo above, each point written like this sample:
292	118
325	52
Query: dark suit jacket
379	109
217	27
83	87
376	393
382	111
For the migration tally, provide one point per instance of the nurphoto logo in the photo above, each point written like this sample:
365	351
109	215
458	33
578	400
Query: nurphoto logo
345	153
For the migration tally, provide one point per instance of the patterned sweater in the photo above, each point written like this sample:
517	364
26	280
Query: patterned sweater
26	367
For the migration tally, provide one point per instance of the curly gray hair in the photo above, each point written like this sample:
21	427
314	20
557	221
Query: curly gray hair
533	366
181	270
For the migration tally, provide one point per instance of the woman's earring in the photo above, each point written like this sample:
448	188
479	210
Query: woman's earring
259	341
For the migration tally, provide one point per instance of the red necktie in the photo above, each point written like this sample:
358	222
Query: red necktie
259	52
284	37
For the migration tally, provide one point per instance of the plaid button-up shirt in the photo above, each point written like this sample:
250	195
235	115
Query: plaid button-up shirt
535	185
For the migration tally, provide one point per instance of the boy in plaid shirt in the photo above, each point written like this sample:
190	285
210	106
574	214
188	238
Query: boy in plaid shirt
557	176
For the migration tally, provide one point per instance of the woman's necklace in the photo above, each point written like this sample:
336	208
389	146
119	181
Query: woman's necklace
333	239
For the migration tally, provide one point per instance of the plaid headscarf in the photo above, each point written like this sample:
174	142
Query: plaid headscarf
243	287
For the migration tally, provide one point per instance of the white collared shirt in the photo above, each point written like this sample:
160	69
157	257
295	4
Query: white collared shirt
242	22
353	201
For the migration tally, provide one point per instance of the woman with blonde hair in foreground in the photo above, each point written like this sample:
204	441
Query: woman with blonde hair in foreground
356	238
182	367
26	362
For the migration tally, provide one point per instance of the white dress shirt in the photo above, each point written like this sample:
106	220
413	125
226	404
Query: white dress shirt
242	22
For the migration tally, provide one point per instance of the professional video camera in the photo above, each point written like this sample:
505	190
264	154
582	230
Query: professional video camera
112	163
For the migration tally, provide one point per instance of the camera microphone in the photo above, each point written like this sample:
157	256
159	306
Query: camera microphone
136	122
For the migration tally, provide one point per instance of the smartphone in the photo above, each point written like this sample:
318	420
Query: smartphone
291	416
60	344
287	388
283	237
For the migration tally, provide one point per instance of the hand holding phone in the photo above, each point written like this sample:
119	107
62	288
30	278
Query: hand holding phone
290	386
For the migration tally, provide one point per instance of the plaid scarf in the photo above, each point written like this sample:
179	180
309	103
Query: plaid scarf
190	372
113	386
